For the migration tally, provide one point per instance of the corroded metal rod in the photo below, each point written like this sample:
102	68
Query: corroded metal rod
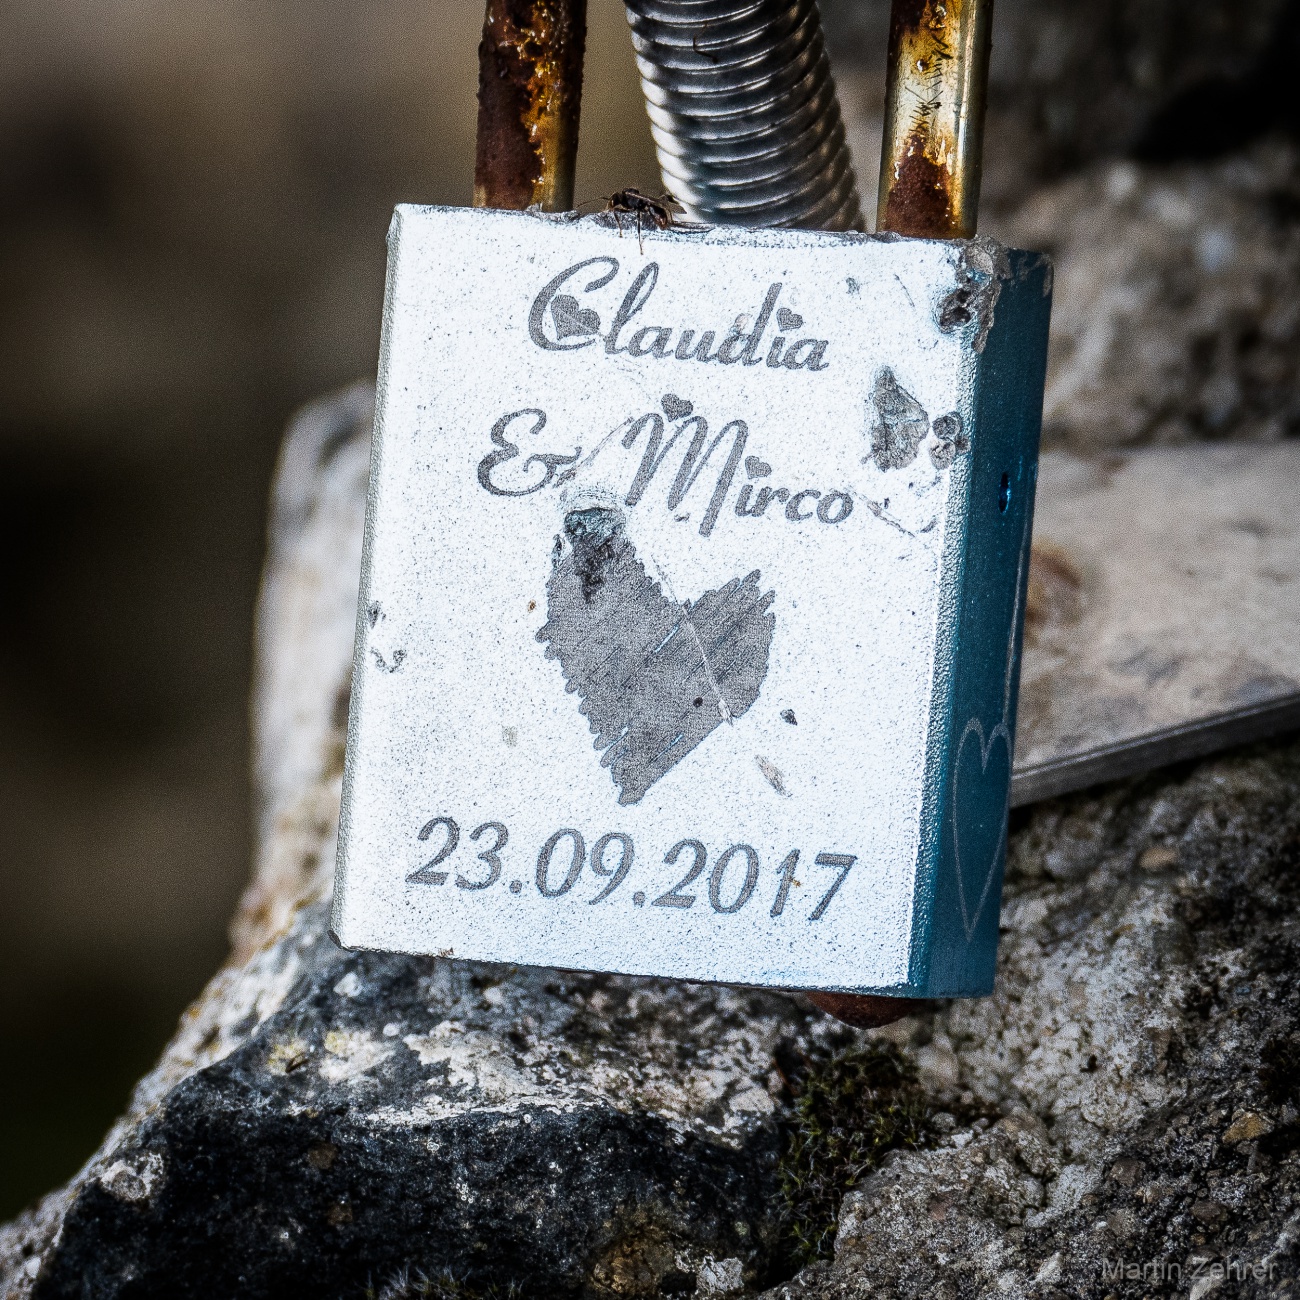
529	96
867	1010
935	93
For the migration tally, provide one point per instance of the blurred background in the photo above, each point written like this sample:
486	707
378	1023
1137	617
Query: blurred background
193	201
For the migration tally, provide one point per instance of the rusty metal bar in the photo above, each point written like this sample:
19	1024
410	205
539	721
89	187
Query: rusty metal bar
868	1011
935	93
529	96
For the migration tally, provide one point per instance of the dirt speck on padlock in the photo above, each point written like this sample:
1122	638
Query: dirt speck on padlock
772	775
948	440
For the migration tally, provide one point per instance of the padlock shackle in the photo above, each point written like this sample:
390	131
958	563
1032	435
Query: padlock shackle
932	152
529	98
530	92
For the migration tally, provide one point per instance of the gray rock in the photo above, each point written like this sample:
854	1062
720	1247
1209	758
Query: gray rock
1136	1076
1175	315
327	1122
413	1117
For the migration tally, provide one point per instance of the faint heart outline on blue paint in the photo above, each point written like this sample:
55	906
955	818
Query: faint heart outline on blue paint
1002	731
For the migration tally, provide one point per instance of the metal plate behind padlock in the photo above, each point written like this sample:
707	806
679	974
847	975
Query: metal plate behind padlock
691	601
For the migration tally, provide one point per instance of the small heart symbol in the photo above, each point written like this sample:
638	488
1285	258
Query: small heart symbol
984	820
788	321
570	319
756	468
676	407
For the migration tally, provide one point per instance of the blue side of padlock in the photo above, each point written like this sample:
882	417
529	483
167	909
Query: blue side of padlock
964	841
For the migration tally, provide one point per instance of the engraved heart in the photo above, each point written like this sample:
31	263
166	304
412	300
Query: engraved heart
788	321
756	468
655	677
675	407
979	823
570	319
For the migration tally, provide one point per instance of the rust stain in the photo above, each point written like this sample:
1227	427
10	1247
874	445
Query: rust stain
938	72
1055	595
868	1011
919	202
922	50
530	90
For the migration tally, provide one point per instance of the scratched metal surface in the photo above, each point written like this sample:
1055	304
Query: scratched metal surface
1164	610
623	609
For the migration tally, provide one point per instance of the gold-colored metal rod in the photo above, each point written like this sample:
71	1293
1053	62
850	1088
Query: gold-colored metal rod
935	94
529	97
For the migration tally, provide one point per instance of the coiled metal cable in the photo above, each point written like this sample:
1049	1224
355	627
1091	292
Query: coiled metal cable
744	113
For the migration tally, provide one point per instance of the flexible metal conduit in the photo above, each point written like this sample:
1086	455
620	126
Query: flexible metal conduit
744	112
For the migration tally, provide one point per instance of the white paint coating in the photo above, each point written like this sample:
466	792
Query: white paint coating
457	711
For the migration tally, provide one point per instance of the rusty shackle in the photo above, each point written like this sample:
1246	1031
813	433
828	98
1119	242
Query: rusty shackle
743	110
529	103
932	153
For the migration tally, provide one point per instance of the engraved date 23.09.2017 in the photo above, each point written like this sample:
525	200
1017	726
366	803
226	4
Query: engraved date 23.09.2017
731	883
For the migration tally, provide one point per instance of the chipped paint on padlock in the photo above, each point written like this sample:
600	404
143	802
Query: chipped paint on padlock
613	712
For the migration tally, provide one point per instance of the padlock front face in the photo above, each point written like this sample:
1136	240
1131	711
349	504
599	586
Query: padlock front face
688	629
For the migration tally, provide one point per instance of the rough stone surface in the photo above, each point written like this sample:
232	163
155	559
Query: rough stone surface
400	1115
1138	1067
325	1122
1176	314
306	620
